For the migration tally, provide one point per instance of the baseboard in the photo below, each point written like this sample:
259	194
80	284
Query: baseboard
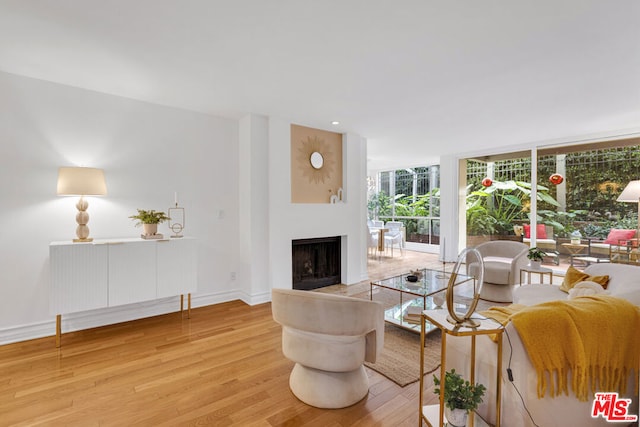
255	299
108	316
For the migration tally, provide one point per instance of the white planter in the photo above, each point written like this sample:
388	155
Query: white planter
535	264
456	417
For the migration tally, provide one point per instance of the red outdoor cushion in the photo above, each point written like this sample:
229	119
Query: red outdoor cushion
541	231
617	234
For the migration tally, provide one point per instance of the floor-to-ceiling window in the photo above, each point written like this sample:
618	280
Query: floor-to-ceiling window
577	191
412	196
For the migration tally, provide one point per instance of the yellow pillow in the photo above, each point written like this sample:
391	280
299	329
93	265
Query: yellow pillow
574	276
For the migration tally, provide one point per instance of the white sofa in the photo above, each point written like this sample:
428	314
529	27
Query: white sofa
561	410
624	282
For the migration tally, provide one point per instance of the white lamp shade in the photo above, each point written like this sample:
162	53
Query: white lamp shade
76	181
631	192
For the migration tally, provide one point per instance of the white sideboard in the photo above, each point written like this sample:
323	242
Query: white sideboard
114	272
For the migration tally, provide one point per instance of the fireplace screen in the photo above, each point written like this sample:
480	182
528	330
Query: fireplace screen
316	262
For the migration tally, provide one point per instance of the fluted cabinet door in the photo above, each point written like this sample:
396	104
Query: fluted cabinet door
132	272
177	267
78	277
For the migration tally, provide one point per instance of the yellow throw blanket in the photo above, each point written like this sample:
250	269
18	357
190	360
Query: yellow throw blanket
596	338
501	314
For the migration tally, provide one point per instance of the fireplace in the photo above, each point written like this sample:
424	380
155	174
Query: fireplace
316	262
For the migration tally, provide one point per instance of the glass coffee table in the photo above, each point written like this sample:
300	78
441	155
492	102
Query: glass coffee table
417	296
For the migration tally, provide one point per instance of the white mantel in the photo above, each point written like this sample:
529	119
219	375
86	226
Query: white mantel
286	221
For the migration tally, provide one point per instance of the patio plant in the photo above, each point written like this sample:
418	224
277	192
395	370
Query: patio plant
505	201
379	204
536	254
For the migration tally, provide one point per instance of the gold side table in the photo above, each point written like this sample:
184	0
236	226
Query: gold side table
540	271
433	415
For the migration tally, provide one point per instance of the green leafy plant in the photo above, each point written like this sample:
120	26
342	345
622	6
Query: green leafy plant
536	254
149	217
459	393
506	202
379	204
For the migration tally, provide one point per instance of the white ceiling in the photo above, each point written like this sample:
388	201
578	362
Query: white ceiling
417	78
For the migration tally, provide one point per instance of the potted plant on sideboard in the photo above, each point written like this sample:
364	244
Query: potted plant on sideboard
536	256
460	397
149	221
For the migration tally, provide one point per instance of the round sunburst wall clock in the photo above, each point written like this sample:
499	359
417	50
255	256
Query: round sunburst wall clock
315	159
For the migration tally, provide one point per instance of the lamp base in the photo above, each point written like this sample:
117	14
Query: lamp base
88	239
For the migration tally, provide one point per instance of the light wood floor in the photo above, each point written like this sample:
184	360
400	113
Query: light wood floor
224	366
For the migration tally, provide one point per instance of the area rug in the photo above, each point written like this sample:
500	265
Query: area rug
400	358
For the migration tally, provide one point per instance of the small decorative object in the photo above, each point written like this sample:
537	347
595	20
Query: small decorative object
150	220
556	179
536	256
336	198
438	299
518	229
412	278
176	219
460	397
575	237
460	319
417	273
487	182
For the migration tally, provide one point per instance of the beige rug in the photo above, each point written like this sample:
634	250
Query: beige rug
400	358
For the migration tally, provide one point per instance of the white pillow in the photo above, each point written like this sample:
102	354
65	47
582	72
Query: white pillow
585	288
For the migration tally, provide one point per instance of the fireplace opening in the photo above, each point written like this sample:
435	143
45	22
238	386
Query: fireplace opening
316	262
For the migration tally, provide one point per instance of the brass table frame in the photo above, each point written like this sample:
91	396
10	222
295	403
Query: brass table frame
59	318
527	271
438	318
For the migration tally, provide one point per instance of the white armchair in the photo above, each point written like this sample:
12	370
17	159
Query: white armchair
329	337
503	260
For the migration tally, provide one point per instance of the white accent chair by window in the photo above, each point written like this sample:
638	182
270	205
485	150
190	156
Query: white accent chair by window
503	260
329	337
394	236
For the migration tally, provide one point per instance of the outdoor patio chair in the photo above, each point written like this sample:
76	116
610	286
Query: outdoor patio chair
394	235
372	241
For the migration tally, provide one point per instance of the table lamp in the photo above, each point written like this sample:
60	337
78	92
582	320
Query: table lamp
79	181
631	194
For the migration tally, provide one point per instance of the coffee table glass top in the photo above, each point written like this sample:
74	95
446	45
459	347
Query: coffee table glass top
430	282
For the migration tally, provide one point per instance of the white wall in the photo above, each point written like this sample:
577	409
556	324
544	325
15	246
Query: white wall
147	151
253	274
